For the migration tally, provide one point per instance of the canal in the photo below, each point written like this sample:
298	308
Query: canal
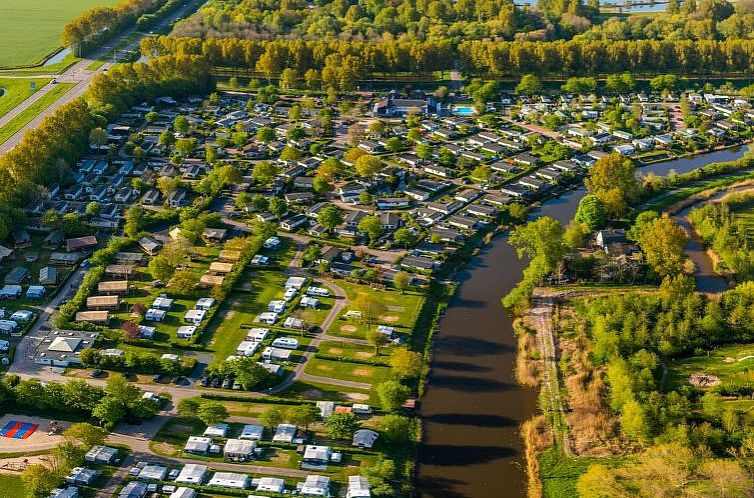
473	406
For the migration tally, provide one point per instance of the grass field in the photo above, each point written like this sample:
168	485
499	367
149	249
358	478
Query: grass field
746	215
11	485
740	371
33	111
31	29
16	91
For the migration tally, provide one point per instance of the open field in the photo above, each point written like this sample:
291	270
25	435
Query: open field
16	91
746	215
34	110
32	28
741	370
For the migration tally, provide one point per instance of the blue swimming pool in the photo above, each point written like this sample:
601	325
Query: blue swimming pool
465	110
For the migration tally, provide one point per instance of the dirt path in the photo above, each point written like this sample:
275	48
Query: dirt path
540	318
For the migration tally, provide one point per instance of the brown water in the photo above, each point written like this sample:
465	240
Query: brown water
473	406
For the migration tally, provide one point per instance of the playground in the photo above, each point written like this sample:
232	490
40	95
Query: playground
19	433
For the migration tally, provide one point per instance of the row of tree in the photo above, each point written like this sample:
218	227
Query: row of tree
342	64
101	23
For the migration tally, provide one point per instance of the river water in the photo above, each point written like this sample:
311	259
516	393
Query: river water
473	407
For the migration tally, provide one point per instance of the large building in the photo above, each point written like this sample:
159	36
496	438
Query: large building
62	348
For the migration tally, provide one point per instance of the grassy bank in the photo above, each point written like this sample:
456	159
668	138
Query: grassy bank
34	110
16	91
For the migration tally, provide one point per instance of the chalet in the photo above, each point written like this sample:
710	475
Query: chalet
214	234
21	238
299	197
113	287
445	235
150	245
421	263
514	190
462	222
467	195
93	317
416	193
532	182
390	221
48	275
63	259
16	275
81	243
370	147
53	240
152	197
504	167
525	159
177	198
103	302
437	170
293	222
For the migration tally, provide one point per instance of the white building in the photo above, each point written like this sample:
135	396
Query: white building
229	480
271	485
316	486
358	487
192	473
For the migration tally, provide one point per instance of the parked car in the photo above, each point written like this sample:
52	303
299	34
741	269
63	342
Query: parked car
227	383
96	373
157	378
236	385
215	383
204	381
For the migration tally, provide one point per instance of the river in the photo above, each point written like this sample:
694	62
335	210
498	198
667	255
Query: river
473	406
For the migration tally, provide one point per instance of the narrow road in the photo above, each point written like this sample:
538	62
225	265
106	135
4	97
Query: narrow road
81	76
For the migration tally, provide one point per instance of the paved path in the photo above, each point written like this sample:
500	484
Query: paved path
81	76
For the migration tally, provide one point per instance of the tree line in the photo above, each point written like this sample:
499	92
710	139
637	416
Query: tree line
101	23
342	64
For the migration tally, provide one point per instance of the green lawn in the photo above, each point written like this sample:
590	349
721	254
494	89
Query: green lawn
344	370
16	91
746	215
349	351
315	391
740	371
31	29
401	312
11	485
33	110
236	315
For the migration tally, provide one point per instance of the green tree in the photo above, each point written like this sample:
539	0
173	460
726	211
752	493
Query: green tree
85	435
372	226
377	339
482	172
265	134
401	281
529	85
330	216
406	364
368	165
392	394
272	416
612	179
591	212
397	430
304	415
181	124
370	307
342	425
263	172
404	236
97	138
278	207
212	412
93	209
189	407
662	241
161	268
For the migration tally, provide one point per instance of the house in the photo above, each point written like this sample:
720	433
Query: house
358	487
152	197
177	198
284	433
221	269
198	445
10	291
21	239
35	292
93	317
81	243
101	454
397	107
113	287
316	486
103	302
418	263
393	202
192	473
230	480
16	275
162	302
181	492
53	239
48	275
214	234
293	222
364	438
150	245
69	492
240	450
606	238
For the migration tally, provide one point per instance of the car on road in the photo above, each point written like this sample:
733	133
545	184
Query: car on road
54	81
96	373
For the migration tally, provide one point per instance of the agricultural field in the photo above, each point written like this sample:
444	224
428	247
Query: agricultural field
32	28
14	91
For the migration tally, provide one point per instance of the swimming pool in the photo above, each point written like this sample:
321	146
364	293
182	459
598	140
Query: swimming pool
464	110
